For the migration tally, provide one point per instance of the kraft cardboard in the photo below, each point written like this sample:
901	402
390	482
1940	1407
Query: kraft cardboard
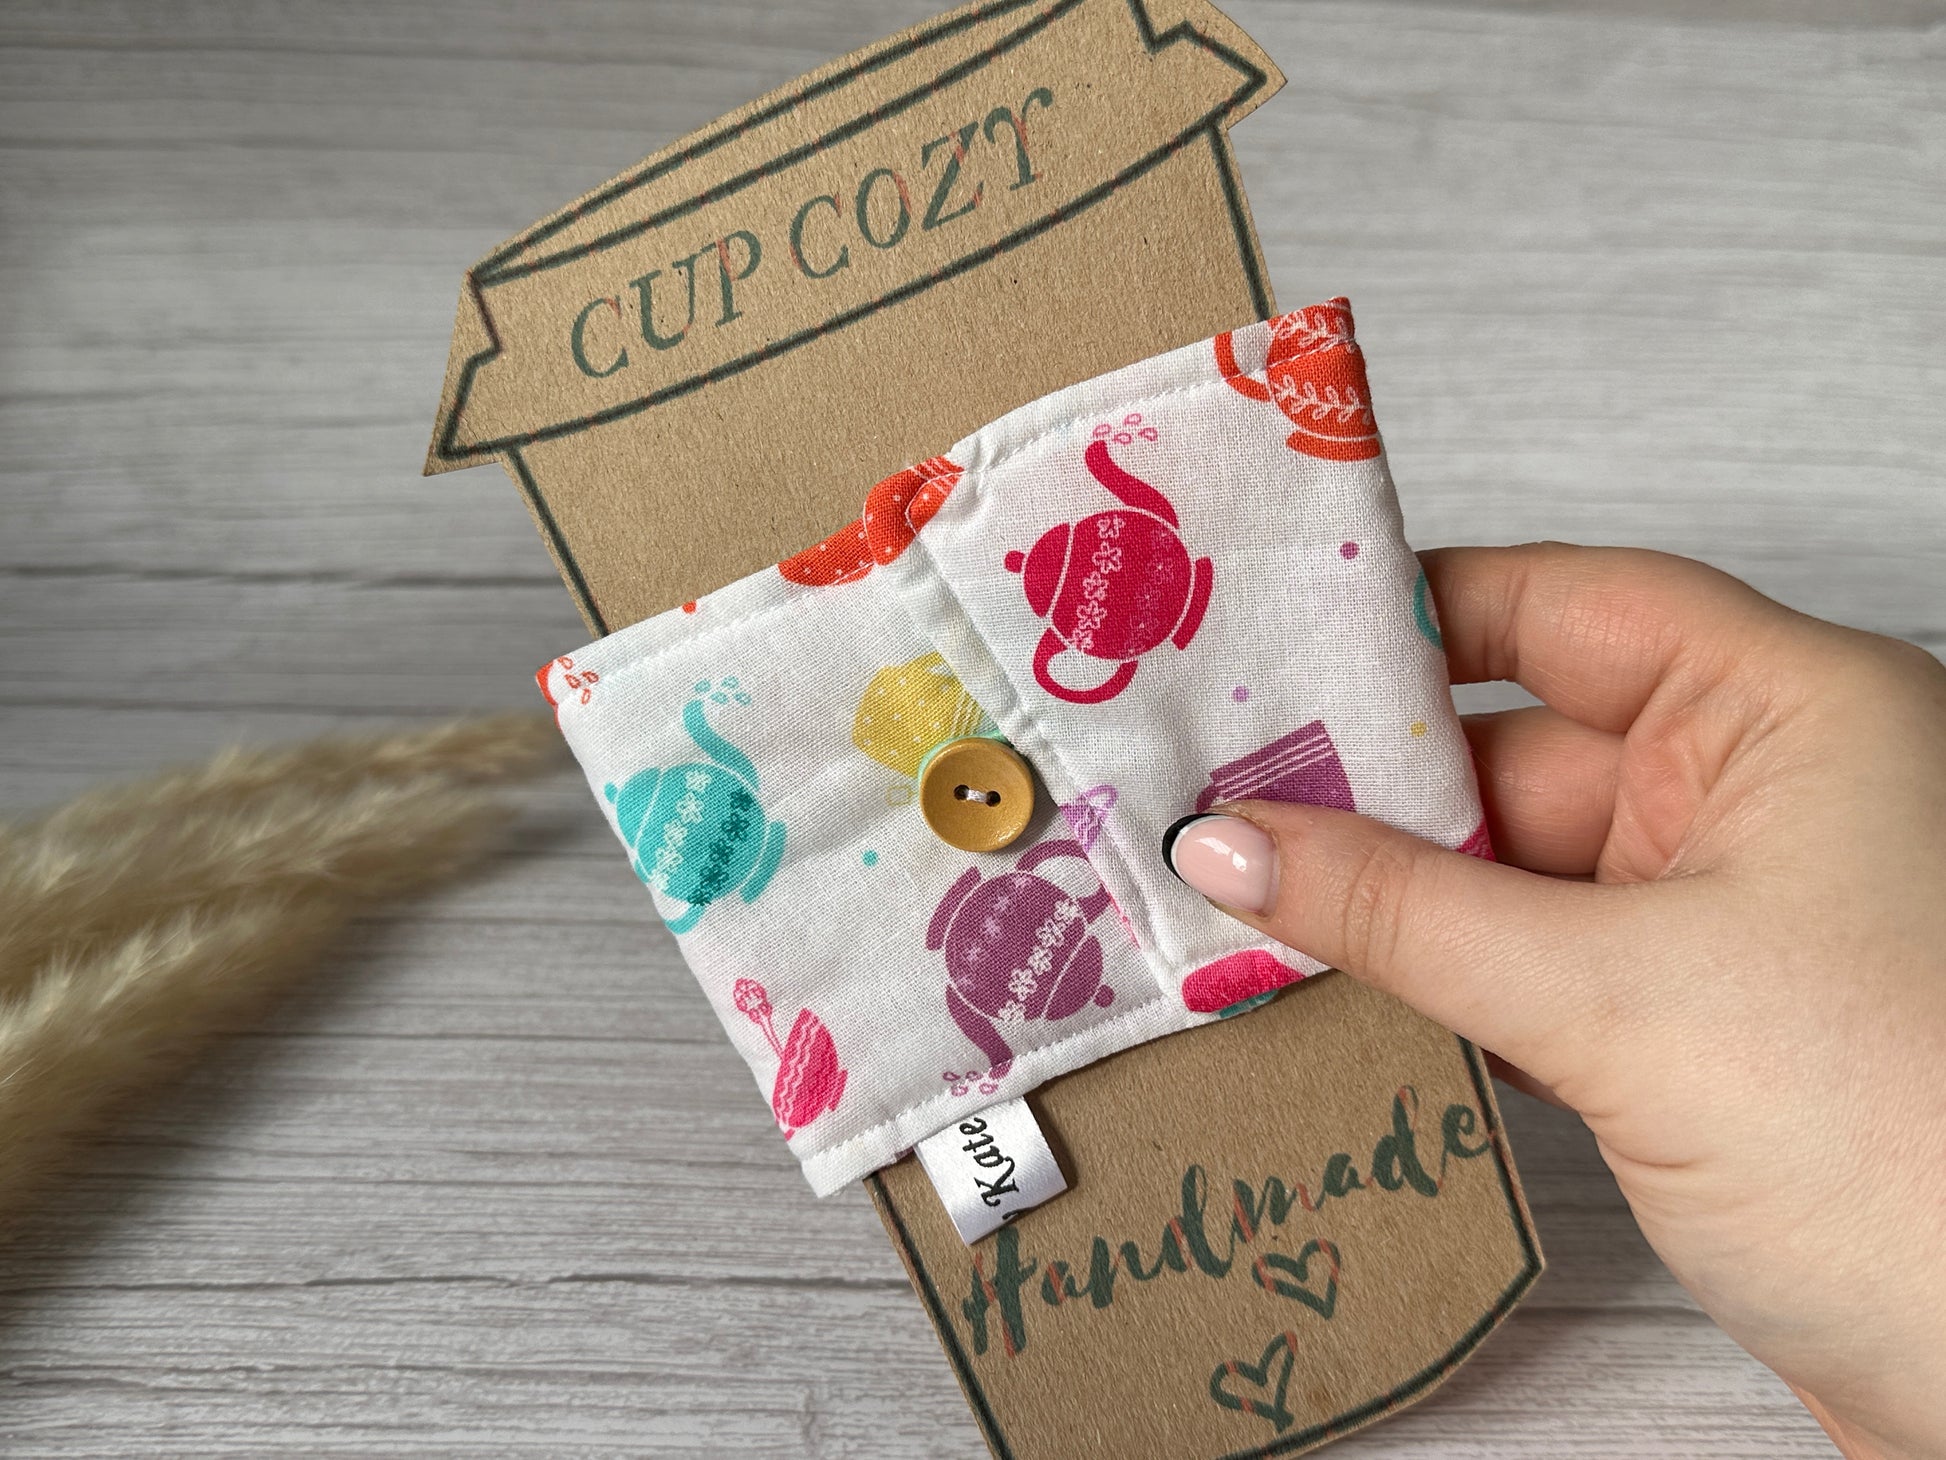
695	370
1280	1227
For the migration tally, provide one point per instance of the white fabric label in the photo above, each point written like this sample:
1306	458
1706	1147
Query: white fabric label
990	1167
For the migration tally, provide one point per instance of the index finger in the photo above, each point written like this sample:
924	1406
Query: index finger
1590	631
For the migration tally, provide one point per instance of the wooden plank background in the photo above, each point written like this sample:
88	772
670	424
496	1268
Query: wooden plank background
1655	271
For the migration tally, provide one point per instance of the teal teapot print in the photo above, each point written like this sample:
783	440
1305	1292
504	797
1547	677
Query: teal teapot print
695	831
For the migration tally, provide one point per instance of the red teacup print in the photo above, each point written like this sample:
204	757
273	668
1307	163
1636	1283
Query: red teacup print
1114	585
1237	979
895	510
1302	766
1018	949
809	1080
1315	374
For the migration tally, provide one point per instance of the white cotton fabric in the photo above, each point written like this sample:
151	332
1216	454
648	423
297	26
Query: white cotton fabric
828	949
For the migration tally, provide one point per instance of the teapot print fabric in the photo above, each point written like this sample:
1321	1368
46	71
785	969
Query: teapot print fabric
1179	584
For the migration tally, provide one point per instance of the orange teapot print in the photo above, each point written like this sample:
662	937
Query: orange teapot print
1114	585
895	510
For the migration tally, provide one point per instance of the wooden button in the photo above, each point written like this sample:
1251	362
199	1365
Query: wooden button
976	794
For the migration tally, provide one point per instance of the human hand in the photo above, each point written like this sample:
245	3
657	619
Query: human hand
1718	933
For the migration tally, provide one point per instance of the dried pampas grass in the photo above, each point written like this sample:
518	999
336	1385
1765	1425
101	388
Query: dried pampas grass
138	918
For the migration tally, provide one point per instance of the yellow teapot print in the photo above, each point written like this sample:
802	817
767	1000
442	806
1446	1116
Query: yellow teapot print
910	709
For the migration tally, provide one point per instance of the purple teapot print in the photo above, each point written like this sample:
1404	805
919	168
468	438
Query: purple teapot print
1114	585
1017	949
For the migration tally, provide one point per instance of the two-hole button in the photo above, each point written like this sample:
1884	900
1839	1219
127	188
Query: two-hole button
976	794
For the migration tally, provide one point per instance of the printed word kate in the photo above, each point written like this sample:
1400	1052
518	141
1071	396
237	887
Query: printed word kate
985	1153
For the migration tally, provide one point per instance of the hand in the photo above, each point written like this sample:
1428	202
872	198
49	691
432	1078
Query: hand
1718	933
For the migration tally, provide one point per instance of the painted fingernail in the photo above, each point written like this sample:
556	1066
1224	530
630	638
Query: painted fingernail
1225	858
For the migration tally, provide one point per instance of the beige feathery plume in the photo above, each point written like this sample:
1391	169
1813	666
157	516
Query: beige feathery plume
137	918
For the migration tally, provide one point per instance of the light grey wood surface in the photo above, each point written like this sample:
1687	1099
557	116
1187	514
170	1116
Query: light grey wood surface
1657	272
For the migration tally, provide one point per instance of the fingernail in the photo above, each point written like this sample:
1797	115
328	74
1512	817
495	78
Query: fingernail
1225	858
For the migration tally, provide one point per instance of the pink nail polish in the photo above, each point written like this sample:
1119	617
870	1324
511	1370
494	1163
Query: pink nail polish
1227	859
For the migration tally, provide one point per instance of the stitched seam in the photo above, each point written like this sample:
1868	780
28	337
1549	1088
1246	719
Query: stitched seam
700	634
1072	421
1152	961
704	634
1116	840
1044	743
1161	995
946	1095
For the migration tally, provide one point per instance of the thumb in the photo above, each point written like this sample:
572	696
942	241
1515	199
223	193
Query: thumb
1540	971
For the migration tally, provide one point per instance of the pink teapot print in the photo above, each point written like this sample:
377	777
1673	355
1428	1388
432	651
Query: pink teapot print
1113	585
1018	948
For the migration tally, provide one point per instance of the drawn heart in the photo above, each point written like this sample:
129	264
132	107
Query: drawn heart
1263	1384
1290	1277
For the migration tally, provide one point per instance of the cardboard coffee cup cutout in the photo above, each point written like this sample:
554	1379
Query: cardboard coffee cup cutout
1279	1227
695	370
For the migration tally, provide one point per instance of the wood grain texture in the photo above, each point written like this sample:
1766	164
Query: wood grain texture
1663	272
